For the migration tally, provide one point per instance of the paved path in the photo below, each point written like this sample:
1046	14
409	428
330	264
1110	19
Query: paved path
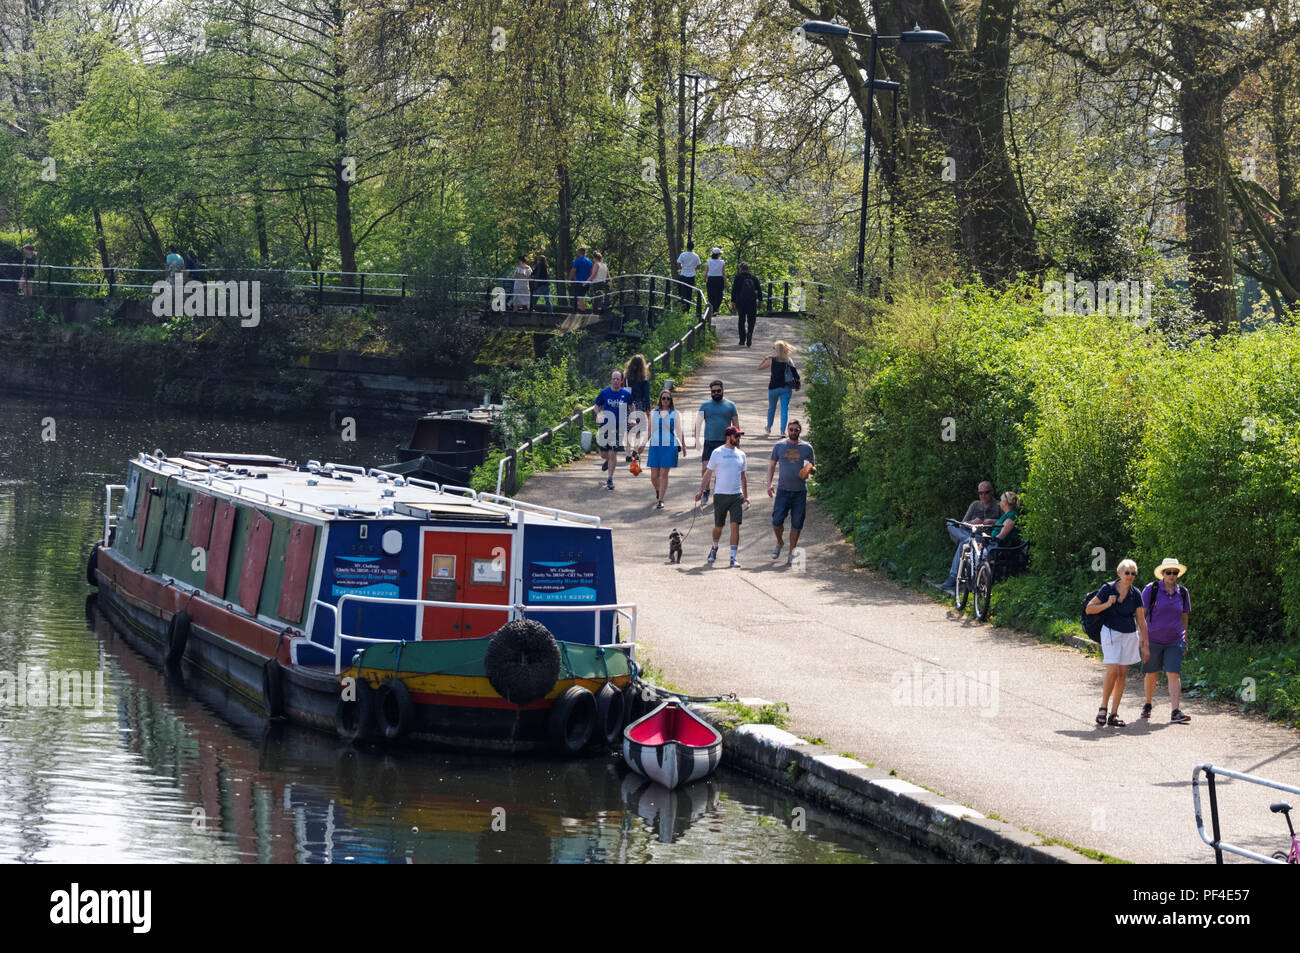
863	663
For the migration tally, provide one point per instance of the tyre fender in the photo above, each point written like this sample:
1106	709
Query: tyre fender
178	633
522	661
273	688
394	710
92	563
572	720
609	715
354	718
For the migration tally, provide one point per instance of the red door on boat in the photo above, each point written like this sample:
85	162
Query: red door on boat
461	566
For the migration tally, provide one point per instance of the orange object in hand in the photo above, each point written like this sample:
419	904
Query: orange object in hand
806	471
634	467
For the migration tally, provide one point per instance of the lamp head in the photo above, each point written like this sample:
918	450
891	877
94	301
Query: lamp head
917	35
823	28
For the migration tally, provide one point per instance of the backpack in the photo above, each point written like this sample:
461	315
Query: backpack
792	376
1092	623
1152	586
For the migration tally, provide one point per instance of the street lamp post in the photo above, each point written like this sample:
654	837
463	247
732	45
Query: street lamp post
695	113
917	35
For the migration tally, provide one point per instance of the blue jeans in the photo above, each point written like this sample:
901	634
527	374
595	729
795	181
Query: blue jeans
783	393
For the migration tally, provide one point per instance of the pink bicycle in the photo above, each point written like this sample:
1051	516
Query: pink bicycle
1294	856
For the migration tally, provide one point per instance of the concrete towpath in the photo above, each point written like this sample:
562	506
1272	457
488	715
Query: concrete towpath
987	717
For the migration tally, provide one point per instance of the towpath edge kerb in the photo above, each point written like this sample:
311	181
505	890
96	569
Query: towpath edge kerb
951	830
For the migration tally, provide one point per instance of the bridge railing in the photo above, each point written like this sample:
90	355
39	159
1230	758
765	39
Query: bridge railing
670	358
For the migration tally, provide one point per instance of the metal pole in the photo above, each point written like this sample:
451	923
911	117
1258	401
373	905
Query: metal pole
893	148
866	159
1214	817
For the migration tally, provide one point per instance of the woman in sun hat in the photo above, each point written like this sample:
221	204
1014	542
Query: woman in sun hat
1167	605
1123	636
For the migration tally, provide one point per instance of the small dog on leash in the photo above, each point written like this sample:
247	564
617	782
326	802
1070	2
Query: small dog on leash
674	547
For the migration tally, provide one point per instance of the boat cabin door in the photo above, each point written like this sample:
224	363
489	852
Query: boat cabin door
463	566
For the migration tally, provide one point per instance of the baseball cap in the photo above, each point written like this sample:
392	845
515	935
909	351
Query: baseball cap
732	431
715	250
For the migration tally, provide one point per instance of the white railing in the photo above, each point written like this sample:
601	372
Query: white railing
110	520
625	609
1219	846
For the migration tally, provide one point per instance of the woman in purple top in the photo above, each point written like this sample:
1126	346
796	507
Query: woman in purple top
1167	605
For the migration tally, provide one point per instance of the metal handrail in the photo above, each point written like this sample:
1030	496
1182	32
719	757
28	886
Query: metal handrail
109	520
514	612
1219	846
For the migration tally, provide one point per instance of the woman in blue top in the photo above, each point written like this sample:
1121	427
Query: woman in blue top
1123	636
636	378
665	442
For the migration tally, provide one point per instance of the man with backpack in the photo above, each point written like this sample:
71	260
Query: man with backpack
746	295
1167	605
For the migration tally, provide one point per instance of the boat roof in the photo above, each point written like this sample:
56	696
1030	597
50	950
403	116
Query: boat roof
332	491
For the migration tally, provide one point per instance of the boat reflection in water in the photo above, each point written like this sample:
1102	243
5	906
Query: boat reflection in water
243	790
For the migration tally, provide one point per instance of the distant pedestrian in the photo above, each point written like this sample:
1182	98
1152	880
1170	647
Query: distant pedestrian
665	443
728	462
781	383
636	378
716	270
542	282
717	415
193	267
522	289
1167	605
174	263
27	274
687	263
1123	637
599	289
746	295
579	274
797	463
611	424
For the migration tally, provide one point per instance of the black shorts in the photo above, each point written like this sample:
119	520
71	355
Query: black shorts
727	503
709	447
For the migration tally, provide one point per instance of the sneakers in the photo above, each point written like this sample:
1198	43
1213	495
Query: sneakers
713	554
789	560
1146	710
705	498
1178	718
776	553
609	484
659	505
604	466
735	563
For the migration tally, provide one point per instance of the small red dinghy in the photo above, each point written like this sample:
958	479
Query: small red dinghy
672	745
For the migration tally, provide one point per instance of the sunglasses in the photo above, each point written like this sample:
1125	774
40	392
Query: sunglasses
1128	574
1171	572
984	492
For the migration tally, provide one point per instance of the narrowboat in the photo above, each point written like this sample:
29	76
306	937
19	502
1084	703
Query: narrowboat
372	605
672	745
446	446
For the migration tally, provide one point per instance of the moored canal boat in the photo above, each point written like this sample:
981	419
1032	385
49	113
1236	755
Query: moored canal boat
365	603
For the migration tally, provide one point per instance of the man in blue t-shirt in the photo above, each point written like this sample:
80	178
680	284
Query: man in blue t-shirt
578	276
611	423
791	493
717	415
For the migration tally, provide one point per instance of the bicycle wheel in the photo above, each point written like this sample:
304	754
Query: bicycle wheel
983	591
962	586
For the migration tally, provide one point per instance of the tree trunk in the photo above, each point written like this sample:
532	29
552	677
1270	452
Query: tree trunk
1205	166
342	184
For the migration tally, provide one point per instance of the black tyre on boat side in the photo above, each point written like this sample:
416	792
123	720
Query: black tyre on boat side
394	710
522	661
354	718
92	563
273	688
609	716
572	721
178	633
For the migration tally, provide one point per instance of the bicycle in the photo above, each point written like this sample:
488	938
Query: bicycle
1294	856
968	567
980	567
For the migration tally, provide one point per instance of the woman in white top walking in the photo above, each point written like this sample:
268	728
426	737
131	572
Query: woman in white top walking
522	286
665	443
599	281
717	281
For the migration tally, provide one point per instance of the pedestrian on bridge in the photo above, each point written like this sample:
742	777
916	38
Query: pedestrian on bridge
716	287
542	282
687	263
27	273
521	289
579	273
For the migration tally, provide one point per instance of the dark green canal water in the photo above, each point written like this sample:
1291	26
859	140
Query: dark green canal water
140	765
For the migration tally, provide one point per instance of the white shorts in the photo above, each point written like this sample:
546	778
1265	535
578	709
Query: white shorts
1119	648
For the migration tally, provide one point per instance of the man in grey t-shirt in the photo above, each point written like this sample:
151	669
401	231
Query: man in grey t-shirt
983	512
791	493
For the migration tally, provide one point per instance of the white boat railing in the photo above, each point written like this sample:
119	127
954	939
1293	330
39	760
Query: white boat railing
510	503
110	518
625	609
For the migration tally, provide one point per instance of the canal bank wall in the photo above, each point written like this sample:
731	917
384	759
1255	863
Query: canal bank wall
929	820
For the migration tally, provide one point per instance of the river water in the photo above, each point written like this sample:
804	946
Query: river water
135	764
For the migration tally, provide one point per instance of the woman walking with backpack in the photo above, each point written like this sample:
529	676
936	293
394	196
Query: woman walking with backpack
1123	637
781	385
1167	605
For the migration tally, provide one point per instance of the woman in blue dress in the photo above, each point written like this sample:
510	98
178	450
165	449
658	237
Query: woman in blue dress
665	443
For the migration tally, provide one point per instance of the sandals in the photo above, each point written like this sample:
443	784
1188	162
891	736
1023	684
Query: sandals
1101	715
1115	721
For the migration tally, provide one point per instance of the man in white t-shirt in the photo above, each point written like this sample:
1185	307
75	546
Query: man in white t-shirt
731	494
687	263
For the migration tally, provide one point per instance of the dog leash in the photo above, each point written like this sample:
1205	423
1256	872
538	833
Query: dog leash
696	510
